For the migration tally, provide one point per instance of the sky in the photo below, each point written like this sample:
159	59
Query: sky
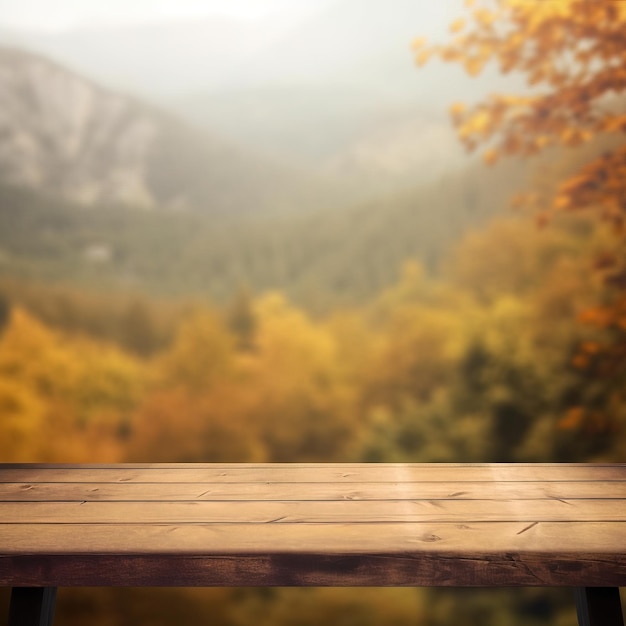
58	15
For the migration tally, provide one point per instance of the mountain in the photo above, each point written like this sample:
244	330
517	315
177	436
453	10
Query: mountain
340	94
341	43
334	91
367	146
64	135
351	42
398	149
318	258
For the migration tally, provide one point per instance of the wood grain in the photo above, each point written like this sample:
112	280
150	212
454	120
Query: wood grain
296	473
292	512
142	492
303	524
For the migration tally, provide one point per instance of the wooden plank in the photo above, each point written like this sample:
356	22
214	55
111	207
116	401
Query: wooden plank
504	554
431	569
313	465
341	465
338	524
122	492
290	512
314	474
549	538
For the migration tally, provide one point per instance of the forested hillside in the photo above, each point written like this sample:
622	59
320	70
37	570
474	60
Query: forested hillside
336	256
319	259
477	365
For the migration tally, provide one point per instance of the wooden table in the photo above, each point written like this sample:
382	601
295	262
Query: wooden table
313	525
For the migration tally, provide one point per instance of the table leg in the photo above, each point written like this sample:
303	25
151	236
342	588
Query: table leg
599	606
32	606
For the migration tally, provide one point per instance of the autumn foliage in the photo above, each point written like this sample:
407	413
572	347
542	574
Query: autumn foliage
573	56
479	365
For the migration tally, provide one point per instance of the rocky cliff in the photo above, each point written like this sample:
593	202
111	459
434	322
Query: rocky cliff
63	135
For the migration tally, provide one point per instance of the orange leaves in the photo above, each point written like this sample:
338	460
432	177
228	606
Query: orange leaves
590	347
587	421
596	316
478	124
600	186
542	219
484	17
519	200
490	157
423	54
474	65
613	124
540	142
573	54
61	398
572	136
457	26
572	419
450	55
605	260
457	110
423	57
471	51
507	63
176	425
201	354
540	39
562	202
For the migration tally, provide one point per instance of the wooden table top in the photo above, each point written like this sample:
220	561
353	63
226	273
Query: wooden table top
313	525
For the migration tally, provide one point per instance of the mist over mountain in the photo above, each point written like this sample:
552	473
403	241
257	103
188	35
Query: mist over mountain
340	94
155	58
333	90
339	43
64	135
317	138
352	42
353	135
68	144
158	58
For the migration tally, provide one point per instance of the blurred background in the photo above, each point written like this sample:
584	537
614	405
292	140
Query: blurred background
247	231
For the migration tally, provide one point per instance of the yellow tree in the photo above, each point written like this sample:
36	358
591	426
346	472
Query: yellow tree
574	53
303	403
195	408
62	398
573	56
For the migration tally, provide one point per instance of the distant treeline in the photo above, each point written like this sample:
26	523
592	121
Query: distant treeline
319	258
486	363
